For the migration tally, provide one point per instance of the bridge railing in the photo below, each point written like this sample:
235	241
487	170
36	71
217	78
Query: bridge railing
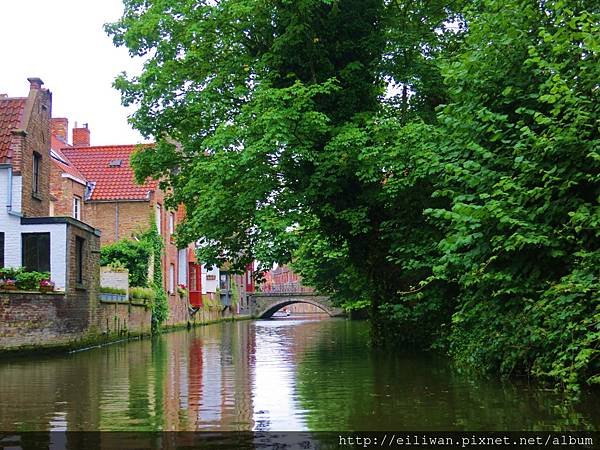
292	286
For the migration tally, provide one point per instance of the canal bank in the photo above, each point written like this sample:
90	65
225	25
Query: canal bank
270	375
34	322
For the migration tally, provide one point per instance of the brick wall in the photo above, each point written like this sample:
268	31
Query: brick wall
135	217
28	319
123	318
63	190
178	306
35	319
46	320
37	139
117	220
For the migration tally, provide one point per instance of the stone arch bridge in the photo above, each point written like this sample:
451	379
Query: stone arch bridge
264	305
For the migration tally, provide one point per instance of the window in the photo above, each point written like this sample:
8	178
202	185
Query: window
1	249
223	285
77	207
36	251
79	245
158	214
37	166
193	274
171	278
171	223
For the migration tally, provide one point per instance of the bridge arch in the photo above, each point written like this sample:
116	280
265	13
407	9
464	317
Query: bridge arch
273	309
264	305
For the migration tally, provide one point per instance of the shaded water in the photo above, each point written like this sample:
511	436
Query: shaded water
269	375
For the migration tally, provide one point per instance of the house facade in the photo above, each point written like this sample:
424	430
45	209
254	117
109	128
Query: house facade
283	279
29	236
98	183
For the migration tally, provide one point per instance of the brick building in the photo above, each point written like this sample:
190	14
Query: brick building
283	279
98	184
29	237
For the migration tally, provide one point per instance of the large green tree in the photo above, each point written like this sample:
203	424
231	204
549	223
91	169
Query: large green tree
440	168
278	110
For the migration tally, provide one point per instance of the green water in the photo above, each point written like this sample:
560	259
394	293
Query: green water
270	375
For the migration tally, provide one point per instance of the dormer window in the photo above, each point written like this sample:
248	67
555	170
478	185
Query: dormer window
115	163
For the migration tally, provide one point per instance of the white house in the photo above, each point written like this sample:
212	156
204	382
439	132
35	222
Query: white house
28	236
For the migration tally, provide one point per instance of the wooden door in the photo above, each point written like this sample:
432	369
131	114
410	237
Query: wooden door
195	285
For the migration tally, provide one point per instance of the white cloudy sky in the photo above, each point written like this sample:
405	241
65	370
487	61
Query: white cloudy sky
63	43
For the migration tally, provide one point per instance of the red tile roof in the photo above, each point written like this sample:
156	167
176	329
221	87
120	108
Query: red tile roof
100	166
11	114
60	160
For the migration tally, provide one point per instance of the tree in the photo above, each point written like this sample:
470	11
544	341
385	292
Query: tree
272	105
519	164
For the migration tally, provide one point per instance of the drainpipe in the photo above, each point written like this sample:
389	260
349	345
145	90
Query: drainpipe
116	221
9	200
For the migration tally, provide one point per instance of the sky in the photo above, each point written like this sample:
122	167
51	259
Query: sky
63	43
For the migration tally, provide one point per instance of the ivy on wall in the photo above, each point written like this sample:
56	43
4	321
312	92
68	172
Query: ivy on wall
137	256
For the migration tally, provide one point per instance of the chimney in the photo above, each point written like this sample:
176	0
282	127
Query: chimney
35	83
81	136
59	127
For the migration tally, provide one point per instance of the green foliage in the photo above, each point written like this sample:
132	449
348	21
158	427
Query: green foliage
10	273
24	279
519	166
129	254
462	206
30	281
142	293
160	303
112	290
136	255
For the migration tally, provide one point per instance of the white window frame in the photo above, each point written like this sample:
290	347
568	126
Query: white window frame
171	278
171	223
77	207
158	218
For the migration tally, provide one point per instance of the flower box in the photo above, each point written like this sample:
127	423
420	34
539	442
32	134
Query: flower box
47	285
8	285
113	298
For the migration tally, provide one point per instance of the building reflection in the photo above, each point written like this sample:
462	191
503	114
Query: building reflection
264	375
186	381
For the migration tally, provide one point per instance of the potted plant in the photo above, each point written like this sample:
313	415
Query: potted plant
46	285
8	284
181	290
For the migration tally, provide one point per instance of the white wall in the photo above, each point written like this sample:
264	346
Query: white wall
58	249
210	285
11	226
17	183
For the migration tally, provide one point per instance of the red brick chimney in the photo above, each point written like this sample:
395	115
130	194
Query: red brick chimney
35	83
59	127
81	136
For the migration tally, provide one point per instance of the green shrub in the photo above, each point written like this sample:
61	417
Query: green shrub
110	290
10	273
132	255
142	293
25	280
29	281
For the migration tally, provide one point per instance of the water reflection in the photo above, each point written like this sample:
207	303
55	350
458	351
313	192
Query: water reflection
269	375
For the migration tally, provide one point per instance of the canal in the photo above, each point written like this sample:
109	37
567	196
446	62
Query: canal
286	374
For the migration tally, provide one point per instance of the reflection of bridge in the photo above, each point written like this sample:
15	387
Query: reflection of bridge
264	305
